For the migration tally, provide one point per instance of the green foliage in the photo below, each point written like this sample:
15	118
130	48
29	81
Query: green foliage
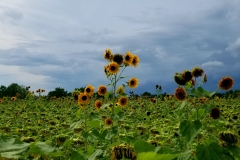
58	92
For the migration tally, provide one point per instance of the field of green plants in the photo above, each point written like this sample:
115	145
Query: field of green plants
192	124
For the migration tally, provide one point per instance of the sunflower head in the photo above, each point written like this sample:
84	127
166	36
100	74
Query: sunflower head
89	90
123	101
83	98
228	137
108	121
113	68
118	58
133	83
13	98
98	104
179	79
106	70
215	113
102	90
197	72
108	55
128	58
120	90
187	75
180	94
226	83
135	60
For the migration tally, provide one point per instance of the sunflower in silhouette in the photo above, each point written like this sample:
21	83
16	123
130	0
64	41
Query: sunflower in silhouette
226	83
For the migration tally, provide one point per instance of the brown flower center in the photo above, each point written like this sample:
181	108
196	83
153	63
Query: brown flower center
127	57
113	68
226	83
88	90
132	82
84	98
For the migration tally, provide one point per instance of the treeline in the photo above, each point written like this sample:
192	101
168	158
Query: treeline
20	91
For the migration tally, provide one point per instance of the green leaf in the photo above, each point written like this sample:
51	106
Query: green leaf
12	148
209	152
105	105
75	124
76	156
79	111
94	123
234	150
200	113
142	146
155	156
107	95
97	153
190	129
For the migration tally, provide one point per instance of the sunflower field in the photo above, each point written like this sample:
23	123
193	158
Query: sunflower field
192	124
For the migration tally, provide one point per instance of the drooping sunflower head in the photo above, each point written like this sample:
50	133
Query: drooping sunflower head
226	83
83	98
118	58
128	58
228	137
133	83
180	94
215	113
197	72
102	90
135	60
89	90
113	68
98	104
120	90
108	121
187	75
179	79
108	55
123	101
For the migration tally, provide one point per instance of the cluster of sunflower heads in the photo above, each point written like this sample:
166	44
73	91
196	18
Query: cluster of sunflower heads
123	151
84	97
228	138
186	76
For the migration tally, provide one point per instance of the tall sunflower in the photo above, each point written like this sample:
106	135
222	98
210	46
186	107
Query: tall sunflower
89	90
113	68
133	83
128	58
197	72
180	94
179	79
98	104
187	75
102	90
83	98
123	101
226	83
108	55
135	60
118	58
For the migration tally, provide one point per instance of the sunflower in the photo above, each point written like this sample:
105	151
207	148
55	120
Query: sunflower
226	83
179	79
83	98
133	83
113	68
98	104
106	70
13	98
108	55
89	90
108	121
102	90
180	94
197	72
135	60
120	90
187	75
123	101
228	137
215	113
128	58
118	58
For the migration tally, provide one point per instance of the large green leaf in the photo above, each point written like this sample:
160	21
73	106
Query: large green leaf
209	152
12	148
76	156
97	153
155	156
190	129
142	146
235	151
94	123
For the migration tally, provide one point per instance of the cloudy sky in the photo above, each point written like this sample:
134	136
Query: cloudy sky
48	44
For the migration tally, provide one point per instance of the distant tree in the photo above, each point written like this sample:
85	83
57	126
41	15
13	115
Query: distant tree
147	94
3	91
16	90
58	92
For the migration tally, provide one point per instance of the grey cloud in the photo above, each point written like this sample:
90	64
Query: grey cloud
234	48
